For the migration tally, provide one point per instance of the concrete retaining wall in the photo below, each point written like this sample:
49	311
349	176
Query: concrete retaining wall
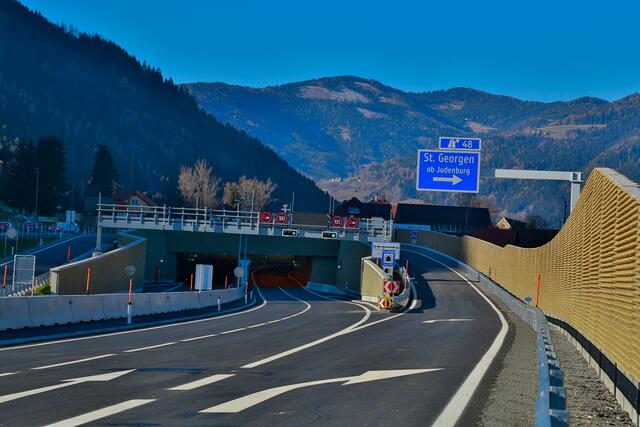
45	310
107	270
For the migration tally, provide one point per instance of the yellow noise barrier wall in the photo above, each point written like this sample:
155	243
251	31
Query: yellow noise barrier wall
590	272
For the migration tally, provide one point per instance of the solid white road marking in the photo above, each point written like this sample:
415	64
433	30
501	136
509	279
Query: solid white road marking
201	382
65	383
149	347
101	413
6	374
135	331
73	362
313	343
452	412
245	402
308	306
447	320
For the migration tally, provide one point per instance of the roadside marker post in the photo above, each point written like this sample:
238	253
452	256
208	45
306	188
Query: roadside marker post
130	271
218	303
191	282
4	278
68	253
88	280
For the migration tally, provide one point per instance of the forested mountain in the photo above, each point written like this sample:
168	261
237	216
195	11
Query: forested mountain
88	91
359	137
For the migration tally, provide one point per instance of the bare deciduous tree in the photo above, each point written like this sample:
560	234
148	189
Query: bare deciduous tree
248	193
198	186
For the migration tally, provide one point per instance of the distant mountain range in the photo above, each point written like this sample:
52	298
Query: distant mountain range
89	91
359	137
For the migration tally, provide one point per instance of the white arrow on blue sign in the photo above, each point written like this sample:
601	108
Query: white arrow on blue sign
450	143
447	170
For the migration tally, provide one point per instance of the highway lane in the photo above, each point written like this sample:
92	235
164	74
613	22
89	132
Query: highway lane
56	254
172	384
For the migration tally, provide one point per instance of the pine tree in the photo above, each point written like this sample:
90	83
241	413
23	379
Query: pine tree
104	177
19	179
52	188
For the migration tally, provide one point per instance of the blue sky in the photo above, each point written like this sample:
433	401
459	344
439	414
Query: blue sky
540	50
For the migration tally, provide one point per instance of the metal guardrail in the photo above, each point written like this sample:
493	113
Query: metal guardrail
226	221
551	410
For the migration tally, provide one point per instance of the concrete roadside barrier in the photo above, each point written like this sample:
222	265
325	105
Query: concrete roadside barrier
49	310
85	308
46	310
114	306
14	313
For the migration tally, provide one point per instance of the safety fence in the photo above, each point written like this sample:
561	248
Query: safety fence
46	310
588	276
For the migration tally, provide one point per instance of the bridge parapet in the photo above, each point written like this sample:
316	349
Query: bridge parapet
235	222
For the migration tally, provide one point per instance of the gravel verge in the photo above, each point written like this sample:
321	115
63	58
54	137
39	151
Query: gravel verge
511	398
589	401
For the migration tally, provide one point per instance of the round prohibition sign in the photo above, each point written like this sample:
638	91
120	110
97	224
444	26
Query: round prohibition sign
266	217
337	221
282	218
353	222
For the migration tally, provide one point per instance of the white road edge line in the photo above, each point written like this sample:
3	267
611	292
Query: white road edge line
134	350
456	406
73	362
6	374
201	382
133	331
101	413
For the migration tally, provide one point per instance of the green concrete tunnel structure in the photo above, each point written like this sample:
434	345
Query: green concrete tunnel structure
333	262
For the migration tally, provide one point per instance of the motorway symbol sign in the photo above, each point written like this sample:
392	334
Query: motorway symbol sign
282	218
266	217
392	287
352	222
388	258
337	221
449	171
450	143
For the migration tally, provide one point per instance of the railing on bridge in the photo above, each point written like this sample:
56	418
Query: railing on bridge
228	221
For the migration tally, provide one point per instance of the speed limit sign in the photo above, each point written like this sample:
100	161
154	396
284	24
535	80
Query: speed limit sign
337	221
282	218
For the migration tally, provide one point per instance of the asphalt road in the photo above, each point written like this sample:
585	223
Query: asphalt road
56	254
297	359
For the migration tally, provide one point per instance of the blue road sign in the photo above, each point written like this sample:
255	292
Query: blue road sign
450	143
446	170
388	257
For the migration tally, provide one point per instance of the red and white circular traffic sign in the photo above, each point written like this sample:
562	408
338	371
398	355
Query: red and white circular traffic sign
337	221
282	218
353	222
266	217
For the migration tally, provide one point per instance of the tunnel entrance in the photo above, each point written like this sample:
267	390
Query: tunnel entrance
267	270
